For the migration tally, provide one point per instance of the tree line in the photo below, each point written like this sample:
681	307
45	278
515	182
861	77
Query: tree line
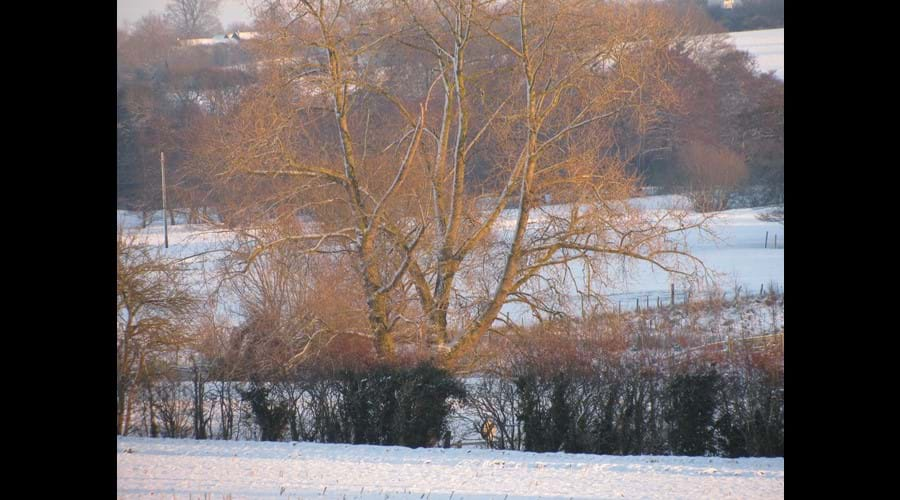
723	108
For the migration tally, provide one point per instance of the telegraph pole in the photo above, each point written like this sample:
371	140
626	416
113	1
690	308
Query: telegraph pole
162	168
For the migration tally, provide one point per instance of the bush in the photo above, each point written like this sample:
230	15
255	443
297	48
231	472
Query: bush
270	414
557	412
713	173
694	398
496	398
752	419
534	416
559	393
547	427
397	405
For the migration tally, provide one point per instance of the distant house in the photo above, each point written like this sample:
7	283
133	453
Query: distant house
216	40
232	38
244	35
725	4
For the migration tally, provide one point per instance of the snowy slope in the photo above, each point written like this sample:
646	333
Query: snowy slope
767	46
183	468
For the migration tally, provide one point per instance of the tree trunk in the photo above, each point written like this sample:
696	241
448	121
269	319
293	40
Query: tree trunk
154	429
128	405
120	410
199	422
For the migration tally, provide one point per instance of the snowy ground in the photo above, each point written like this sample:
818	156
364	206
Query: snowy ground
767	46
243	469
737	257
739	254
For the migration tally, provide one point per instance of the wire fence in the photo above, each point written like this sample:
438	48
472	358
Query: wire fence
657	299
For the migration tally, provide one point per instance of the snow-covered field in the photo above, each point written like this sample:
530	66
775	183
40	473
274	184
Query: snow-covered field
737	254
241	469
767	46
737	257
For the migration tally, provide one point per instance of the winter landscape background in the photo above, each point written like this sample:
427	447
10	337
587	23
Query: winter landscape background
451	249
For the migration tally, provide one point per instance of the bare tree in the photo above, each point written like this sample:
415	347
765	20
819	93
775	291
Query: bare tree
713	173
337	181
568	65
152	303
492	182
239	26
290	304
194	18
147	44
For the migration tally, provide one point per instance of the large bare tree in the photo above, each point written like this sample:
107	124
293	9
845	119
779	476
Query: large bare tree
489	180
153	302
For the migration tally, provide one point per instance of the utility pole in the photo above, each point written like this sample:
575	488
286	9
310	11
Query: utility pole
162	168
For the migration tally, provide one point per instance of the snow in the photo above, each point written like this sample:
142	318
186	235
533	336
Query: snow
767	46
736	257
185	240
244	469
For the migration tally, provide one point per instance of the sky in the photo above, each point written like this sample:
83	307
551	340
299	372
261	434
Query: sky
132	10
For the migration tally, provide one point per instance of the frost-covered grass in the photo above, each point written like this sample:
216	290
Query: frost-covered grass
184	468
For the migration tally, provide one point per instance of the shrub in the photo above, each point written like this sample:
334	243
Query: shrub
270	414
752	419
693	399
557	411
397	405
713	172
496	398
